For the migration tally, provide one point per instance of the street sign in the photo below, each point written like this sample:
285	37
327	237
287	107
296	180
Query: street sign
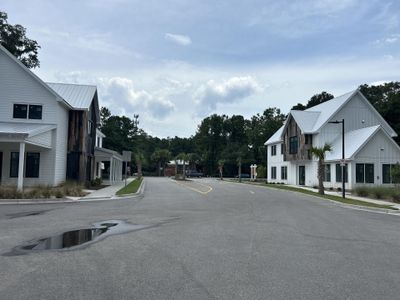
342	162
126	155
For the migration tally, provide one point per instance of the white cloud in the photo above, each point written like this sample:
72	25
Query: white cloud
120	93
179	39
391	39
232	90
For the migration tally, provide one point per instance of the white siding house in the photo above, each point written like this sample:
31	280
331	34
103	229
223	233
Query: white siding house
48	130
369	146
33	129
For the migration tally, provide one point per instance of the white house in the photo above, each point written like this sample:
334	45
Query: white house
370	150
33	127
48	130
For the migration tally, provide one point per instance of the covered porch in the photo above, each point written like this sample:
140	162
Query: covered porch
108	165
26	154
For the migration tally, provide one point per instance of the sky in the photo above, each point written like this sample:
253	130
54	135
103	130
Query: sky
176	62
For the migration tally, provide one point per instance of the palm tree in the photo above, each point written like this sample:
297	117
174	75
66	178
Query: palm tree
221	163
161	156
184	157
139	159
239	163
319	153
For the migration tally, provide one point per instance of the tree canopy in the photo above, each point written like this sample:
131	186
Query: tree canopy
225	138
14	39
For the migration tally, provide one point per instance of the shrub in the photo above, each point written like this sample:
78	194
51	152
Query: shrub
362	191
379	192
396	195
96	182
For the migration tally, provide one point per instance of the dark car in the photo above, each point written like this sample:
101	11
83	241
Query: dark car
243	175
194	173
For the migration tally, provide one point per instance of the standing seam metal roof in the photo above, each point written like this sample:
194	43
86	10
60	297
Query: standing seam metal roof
77	95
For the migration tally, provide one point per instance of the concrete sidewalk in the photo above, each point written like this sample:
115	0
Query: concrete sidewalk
105	193
349	195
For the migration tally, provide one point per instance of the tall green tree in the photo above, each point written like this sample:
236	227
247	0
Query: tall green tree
319	153
184	157
314	100
161	156
386	100
14	39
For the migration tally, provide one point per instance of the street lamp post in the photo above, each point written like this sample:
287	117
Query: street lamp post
343	162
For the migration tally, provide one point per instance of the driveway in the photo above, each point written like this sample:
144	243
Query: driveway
205	239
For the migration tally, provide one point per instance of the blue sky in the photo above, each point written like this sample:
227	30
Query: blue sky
175	62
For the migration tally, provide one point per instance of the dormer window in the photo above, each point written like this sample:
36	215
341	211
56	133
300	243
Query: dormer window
25	111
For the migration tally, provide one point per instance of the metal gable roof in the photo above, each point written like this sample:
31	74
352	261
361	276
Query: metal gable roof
276	137
28	129
35	77
305	119
78	96
328	109
353	141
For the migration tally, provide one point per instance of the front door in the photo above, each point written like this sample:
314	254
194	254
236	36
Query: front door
302	175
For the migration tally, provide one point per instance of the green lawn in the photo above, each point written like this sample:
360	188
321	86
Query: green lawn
330	197
131	187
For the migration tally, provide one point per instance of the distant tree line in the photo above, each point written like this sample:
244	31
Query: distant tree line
221	142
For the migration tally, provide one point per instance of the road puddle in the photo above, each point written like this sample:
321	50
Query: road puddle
71	240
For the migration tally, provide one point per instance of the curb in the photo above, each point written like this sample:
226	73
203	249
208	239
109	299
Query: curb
344	205
80	200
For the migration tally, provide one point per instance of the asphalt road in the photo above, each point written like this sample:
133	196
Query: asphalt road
211	240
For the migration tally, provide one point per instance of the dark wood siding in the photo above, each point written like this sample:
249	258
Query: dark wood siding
303	149
81	143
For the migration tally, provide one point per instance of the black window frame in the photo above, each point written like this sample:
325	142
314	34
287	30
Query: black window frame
284	172
32	112
273	172
339	174
369	173
327	173
360	173
273	150
16	113
293	144
14	164
384	176
282	148
32	165
365	173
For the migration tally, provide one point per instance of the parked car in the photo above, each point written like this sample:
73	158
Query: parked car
243	175
194	173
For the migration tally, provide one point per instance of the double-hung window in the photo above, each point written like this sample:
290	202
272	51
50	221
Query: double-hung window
284	172
273	172
339	173
364	173
327	172
273	150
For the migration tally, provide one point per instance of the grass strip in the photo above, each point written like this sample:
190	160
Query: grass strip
131	188
329	197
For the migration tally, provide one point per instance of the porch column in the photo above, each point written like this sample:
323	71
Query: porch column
21	164
111	170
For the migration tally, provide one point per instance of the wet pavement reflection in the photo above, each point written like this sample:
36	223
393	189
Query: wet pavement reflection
70	240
